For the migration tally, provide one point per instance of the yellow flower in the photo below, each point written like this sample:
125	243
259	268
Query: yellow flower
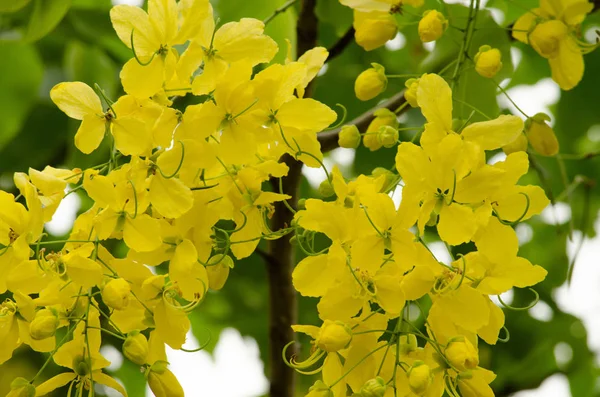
518	145
552	31
432	26
488	61
80	102
81	355
370	83
152	36
233	42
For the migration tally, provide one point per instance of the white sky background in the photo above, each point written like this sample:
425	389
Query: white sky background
237	358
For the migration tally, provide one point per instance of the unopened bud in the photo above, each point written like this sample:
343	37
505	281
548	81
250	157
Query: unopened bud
408	343
419	377
44	324
349	137
410	94
370	83
461	353
541	136
326	188
383	117
432	26
135	348
372	30
333	336
116	294
163	383
387	136
319	389
373	388
488	61
20	387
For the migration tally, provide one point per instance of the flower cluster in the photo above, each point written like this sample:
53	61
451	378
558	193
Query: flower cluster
378	266
188	187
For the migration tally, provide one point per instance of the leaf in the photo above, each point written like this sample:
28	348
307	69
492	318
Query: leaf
22	71
90	65
45	17
39	140
8	6
334	14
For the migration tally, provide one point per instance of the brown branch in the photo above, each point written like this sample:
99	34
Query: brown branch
329	139
281	256
339	46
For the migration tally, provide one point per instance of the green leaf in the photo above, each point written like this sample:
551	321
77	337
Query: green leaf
90	65
21	72
44	18
334	14
7	6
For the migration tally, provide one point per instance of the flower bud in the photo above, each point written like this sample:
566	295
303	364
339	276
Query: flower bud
541	136
326	188
432	26
518	145
44	324
333	336
408	343
419	377
20	387
461	353
390	177
219	272
410	94
301	204
488	61
373	388
163	383
319	389
374	29
383	117
387	136
349	137
116	293
370	83
546	36
135	348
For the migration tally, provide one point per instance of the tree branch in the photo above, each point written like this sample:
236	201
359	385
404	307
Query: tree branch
339	47
329	139
281	256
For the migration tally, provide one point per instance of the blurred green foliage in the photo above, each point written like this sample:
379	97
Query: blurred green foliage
43	42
